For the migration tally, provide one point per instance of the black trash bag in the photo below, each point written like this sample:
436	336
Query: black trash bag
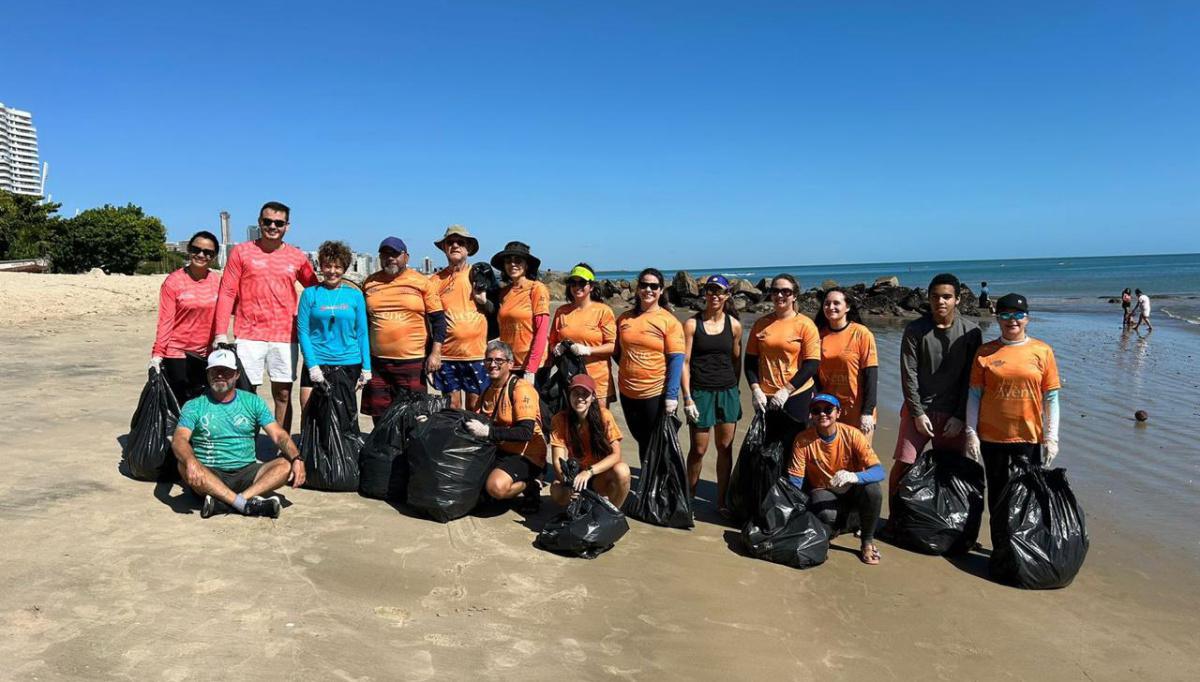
382	465
483	278
147	450
329	435
588	527
939	506
759	465
553	381
1039	538
447	466
663	496
783	531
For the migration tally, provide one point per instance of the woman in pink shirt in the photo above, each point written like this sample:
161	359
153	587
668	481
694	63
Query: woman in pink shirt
187	304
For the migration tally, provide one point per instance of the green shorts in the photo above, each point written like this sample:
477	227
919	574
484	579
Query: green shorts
717	407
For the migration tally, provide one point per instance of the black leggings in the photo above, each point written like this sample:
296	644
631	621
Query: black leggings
786	423
187	376
836	511
999	460
642	415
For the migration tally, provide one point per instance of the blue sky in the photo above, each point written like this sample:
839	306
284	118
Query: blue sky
674	134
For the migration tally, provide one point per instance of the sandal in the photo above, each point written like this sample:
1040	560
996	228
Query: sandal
869	555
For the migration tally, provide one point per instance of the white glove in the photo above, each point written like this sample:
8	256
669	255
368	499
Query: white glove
219	340
364	377
316	375
558	349
972	449
155	363
759	399
843	478
953	427
528	376
1049	452
780	397
692	412
867	423
477	428
581	350
924	426
671	405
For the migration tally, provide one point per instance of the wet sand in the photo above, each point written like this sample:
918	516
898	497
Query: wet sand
106	577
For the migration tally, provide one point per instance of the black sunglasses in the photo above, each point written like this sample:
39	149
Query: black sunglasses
454	241
197	251
652	286
782	291
267	222
817	409
577	282
714	290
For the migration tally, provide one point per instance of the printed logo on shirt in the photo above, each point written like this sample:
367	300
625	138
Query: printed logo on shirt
339	306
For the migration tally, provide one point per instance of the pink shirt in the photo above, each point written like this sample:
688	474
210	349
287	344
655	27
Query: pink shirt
185	314
262	285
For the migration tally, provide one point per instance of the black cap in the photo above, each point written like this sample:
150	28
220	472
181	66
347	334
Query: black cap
1013	302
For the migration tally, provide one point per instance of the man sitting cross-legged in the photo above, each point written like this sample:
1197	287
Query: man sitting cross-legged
214	444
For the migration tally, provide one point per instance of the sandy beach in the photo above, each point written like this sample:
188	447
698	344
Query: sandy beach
107	577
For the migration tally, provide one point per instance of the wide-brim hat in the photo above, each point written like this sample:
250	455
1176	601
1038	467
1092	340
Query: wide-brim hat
461	232
517	249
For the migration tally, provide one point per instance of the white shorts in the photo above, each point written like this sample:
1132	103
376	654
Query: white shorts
277	357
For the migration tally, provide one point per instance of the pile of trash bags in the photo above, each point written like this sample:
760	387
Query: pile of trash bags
447	466
783	531
329	435
760	463
382	462
147	450
588	527
1039	537
663	496
939	506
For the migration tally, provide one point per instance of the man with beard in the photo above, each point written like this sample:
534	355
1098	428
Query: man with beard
214	446
404	312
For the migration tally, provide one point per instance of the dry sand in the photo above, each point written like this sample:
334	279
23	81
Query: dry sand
106	577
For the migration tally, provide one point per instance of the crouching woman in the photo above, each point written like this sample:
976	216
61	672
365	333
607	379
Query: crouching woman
586	432
834	462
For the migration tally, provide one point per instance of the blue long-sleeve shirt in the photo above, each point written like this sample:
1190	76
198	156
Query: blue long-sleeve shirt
332	325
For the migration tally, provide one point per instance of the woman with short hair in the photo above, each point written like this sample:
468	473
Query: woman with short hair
585	431
782	358
187	306
849	361
524	313
331	322
587	327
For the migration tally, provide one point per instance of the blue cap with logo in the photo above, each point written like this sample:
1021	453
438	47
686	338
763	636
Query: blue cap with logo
826	398
719	280
394	243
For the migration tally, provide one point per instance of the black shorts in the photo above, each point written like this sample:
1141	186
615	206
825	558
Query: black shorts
239	479
519	467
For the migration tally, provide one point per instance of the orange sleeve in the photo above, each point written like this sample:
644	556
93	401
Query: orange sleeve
608	326
870	353
558	431
555	328
810	340
612	432
799	458
527	405
1050	380
673	337
752	344
862	454
540	299
433	302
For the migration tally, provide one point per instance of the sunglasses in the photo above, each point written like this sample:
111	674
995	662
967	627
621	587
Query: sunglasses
782	291
267	222
495	361
818	409
577	282
197	251
652	286
1012	316
713	291
454	241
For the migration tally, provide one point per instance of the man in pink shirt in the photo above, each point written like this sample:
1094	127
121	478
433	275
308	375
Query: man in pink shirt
260	283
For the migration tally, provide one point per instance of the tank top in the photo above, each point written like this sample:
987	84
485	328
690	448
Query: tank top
711	365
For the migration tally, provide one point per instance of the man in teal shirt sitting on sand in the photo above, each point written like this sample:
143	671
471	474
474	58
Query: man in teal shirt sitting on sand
214	445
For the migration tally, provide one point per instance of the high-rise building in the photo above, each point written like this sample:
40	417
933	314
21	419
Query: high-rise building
19	169
252	232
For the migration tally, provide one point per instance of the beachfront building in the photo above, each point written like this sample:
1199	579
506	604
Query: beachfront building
19	168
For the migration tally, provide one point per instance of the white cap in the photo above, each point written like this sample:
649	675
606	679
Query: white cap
222	358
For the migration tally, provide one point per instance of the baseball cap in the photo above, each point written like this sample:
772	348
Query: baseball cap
582	381
1013	302
719	280
222	358
394	243
826	398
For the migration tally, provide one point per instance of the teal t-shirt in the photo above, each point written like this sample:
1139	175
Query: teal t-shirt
223	433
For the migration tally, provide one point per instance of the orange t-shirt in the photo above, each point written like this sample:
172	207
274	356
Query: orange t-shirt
817	461
645	341
528	406
593	326
396	310
466	327
781	345
560	436
1014	379
844	354
519	304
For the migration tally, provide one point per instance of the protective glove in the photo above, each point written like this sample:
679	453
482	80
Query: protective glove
477	428
316	375
1049	452
558	348
155	363
671	405
581	350
867	423
363	378
843	478
953	427
528	376
778	398
972	449
924	426
759	399
692	412
220	340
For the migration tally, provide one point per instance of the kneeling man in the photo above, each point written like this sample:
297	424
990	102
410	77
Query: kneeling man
214	444
841	471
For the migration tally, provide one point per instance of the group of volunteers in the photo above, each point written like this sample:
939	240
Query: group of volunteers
814	380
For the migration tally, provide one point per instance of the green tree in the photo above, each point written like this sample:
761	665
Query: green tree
26	226
113	238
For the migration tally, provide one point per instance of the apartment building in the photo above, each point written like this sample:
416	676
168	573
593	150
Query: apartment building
20	171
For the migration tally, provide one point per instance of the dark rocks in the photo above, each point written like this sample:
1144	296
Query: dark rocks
889	281
683	287
1141	415
828	284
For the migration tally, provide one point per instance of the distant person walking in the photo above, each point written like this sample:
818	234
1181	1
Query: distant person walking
711	400
1012	411
1126	311
1143	309
588	328
985	299
187	305
849	361
524	313
461	373
260	281
783	354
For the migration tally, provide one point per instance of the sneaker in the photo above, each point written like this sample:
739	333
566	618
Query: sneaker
263	506
212	506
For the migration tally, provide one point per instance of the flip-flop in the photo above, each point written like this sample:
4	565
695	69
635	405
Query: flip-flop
871	558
